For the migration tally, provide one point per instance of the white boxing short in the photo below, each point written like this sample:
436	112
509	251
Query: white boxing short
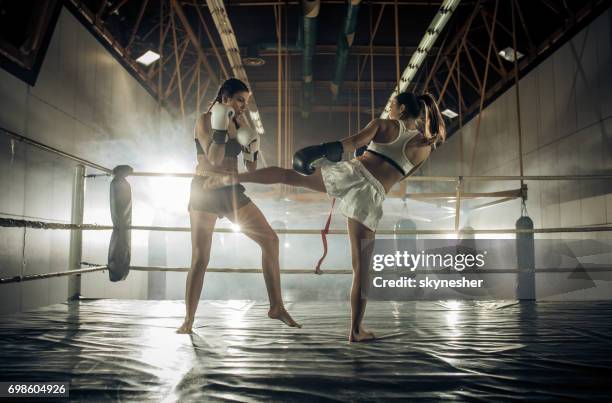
361	194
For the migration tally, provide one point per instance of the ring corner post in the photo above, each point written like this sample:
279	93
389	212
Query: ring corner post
76	235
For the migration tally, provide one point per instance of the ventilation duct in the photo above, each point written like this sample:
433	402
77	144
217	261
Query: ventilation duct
345	41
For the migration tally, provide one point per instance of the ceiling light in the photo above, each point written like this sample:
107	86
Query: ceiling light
253	61
509	54
449	113
148	57
252	57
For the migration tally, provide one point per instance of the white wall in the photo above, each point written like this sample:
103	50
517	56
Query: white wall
84	102
566	122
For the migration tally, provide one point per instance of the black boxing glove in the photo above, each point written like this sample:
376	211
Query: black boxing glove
304	159
359	152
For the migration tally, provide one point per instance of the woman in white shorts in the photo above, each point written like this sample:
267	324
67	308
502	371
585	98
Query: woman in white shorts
396	147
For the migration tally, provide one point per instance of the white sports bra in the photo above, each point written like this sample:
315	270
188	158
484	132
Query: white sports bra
393	152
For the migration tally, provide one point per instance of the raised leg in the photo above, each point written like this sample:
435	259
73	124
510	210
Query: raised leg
273	175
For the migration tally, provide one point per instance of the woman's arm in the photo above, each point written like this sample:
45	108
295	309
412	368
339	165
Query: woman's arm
214	152
362	138
304	159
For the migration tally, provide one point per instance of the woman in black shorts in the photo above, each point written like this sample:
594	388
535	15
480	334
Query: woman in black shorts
218	137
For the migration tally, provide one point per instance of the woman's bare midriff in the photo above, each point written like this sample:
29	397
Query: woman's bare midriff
386	173
229	166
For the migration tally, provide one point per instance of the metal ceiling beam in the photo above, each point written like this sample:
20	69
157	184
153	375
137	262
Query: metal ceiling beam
586	13
116	8
230	44
446	10
85	14
296	85
143	7
314	109
212	42
330	50
378	50
268	3
180	13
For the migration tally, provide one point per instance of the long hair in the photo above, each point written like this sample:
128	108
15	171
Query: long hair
424	109
229	87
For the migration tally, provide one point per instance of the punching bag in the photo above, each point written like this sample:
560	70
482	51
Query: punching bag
525	258
119	249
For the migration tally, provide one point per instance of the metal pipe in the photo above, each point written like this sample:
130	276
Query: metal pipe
515	194
458	203
345	41
309	25
50	149
506	178
76	236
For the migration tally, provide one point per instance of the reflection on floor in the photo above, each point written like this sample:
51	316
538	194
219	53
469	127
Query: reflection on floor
427	351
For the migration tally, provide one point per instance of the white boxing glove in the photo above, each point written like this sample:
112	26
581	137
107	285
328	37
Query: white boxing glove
221	115
249	140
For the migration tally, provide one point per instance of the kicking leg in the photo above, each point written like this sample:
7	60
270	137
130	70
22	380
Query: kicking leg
289	177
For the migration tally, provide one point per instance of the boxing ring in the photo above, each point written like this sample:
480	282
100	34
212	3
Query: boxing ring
428	351
110	349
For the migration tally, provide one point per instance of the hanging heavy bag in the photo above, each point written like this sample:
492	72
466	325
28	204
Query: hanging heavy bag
119	248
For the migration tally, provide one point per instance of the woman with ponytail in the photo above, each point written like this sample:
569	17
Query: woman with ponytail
386	151
220	135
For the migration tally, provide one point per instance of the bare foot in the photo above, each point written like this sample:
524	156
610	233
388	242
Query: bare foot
185	327
361	335
282	315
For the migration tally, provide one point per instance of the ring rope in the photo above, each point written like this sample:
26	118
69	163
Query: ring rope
9	222
350	271
96	268
30	277
475	178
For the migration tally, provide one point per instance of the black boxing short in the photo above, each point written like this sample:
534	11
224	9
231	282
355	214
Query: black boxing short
222	202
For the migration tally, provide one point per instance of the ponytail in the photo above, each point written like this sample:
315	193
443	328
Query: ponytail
218	98
435	128
424	107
